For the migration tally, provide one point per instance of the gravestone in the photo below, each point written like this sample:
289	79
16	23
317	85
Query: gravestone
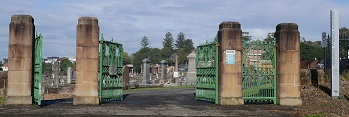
126	77
55	72
191	74
69	75
163	77
146	71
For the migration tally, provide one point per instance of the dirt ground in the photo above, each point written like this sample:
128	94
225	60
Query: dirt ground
318	101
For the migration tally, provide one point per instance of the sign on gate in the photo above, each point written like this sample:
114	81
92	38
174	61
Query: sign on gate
230	57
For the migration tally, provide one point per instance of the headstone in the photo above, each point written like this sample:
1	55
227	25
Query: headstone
146	72
55	72
69	75
191	74
126	77
87	61
20	59
163	77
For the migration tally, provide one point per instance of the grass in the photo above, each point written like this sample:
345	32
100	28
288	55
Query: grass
158	88
2	101
322	114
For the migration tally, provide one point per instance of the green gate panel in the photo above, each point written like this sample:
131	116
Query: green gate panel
207	72
37	68
110	71
259	71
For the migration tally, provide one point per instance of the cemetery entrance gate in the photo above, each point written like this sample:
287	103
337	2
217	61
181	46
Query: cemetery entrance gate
207	72
259	71
37	69
110	70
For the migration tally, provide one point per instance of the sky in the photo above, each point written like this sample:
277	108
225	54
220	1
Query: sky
128	21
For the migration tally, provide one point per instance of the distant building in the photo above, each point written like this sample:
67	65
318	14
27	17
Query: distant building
4	67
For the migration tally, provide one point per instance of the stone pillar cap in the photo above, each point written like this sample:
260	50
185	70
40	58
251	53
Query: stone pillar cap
292	26
88	20
192	55
229	24
22	18
146	60
163	62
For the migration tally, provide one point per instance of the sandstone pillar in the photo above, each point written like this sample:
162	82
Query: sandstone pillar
230	75
288	65
87	43
163	77
20	58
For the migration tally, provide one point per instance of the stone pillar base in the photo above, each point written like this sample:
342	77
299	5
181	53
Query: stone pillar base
231	101
19	100
290	101
93	100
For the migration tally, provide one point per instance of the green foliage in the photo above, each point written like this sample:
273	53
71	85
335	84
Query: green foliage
166	52
168	41
46	68
311	50
182	55
145	42
180	42
1	63
64	64
246	37
126	59
270	37
188	46
344	33
2	101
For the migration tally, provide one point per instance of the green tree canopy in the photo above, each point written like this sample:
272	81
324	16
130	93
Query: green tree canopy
270	37
311	50
166	52
126	58
168	41
180	42
246	37
145	42
344	33
182	55
64	64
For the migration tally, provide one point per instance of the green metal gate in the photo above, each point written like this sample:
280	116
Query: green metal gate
37	68
110	70
207	72
259	71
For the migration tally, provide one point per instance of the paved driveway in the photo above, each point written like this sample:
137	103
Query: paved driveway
169	102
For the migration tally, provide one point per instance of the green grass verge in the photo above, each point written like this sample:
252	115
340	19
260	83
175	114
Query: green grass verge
2	101
158	88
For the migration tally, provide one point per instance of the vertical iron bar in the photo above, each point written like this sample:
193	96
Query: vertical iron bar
217	68
101	52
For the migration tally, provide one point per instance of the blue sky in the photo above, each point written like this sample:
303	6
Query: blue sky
129	20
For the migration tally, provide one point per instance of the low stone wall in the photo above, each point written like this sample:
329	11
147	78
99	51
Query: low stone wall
312	76
3	83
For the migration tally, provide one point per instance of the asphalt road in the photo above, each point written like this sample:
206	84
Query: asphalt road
169	102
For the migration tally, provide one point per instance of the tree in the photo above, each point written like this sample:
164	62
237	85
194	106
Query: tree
145	42
180	42
343	33
270	37
168	41
311	50
188	46
64	64
126	59
46	68
166	52
182	56
1	63
246	37
155	55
